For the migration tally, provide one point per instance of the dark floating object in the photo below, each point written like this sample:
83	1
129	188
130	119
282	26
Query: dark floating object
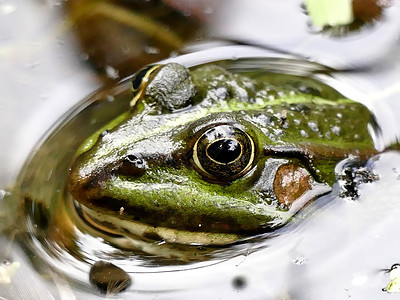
239	282
350	174
109	278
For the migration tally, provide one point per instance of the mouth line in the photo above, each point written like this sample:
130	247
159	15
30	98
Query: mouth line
118	227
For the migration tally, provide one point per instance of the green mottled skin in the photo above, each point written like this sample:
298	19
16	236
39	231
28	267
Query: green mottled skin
321	128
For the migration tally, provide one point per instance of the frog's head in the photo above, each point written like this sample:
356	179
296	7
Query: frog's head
194	161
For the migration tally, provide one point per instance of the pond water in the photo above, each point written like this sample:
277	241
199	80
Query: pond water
336	248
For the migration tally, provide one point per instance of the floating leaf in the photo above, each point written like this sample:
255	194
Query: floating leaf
330	12
394	284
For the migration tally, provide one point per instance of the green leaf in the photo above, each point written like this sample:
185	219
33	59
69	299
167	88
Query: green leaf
330	12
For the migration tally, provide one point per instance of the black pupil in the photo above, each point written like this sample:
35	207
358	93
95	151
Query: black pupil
224	150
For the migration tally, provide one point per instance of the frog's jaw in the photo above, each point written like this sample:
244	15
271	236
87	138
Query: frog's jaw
114	225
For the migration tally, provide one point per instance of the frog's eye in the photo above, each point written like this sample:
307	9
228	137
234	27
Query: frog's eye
140	80
142	77
223	153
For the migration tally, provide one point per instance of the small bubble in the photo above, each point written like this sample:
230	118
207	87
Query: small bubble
339	115
336	130
259	101
221	93
303	133
110	98
328	135
313	126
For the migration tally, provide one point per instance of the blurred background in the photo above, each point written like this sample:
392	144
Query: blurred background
55	52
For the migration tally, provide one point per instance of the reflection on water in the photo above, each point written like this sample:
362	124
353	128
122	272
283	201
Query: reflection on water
292	261
337	251
119	37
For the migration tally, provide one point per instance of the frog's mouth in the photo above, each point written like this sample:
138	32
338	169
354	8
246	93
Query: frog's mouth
117	227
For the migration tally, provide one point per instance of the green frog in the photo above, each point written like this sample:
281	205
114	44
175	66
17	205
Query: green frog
206	156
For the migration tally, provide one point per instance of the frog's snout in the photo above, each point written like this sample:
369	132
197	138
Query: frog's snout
81	184
84	181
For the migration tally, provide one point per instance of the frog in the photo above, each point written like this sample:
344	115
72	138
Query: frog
207	156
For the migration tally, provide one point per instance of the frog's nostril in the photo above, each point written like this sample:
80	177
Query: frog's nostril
135	160
132	165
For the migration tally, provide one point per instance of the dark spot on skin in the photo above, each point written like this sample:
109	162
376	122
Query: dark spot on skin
109	278
239	282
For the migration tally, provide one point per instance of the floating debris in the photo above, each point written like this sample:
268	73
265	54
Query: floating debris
109	278
7	271
394	284
239	283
